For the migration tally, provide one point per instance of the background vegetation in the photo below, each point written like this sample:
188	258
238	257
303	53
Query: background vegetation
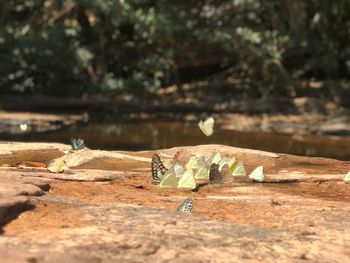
256	47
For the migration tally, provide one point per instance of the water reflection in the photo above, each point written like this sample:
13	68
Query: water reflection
144	135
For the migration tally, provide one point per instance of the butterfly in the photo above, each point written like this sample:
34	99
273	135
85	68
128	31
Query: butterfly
196	162
168	163
214	158
77	144
158	169
226	160
176	156
347	177
186	206
187	181
217	177
169	180
201	174
238	169
258	174
207	126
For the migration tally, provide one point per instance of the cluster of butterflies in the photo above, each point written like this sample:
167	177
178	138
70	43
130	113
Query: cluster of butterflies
198	170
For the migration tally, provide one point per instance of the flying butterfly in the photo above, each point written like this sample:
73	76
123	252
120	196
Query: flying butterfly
77	144
207	126
186	206
158	169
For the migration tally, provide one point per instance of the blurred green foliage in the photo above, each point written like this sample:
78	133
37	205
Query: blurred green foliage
71	47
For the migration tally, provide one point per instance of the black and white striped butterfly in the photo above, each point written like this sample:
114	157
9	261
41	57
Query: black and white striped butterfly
186	206
219	177
158	169
77	144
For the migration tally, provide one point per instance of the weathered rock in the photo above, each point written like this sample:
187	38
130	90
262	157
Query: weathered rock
70	175
15	192
128	233
15	152
84	218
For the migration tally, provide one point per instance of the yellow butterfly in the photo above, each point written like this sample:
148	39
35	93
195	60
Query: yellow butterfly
169	180
187	181
207	126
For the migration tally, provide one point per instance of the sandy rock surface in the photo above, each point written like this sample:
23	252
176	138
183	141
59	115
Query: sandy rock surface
105	209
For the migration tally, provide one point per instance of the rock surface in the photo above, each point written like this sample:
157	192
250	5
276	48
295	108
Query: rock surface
15	191
105	209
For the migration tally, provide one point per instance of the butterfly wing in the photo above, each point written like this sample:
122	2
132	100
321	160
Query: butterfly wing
73	143
214	158
187	181
178	170
238	170
217	177
258	174
207	126
176	156
158	169
80	144
168	163
347	178
226	160
77	144
202	174
169	180
226	175
186	206
214	174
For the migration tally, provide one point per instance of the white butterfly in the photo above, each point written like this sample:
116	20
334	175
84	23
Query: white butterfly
207	126
238	169
226	160
258	174
195	162
201	174
347	178
214	158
